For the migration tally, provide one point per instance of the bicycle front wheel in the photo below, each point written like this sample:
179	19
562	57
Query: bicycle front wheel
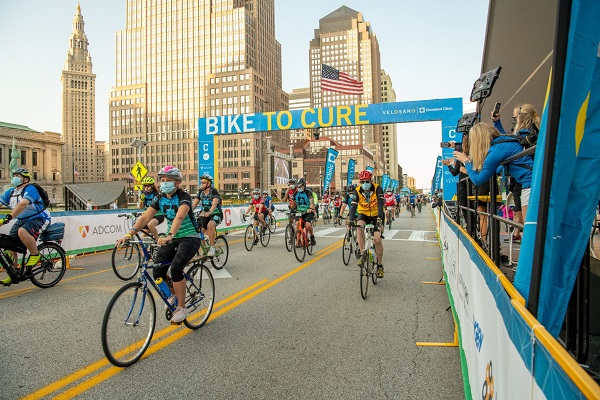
200	296
347	248
126	260
289	237
300	246
51	267
249	238
128	324
265	237
221	252
364	275
272	224
373	269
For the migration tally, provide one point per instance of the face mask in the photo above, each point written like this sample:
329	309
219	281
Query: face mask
16	181
301	189
256	196
167	187
366	186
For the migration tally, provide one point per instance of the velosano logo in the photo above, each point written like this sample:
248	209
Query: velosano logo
487	390
86	231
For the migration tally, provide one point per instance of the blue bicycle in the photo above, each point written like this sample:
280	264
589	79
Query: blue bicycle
130	318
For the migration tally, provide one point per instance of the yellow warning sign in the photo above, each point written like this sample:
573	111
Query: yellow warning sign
139	171
138	187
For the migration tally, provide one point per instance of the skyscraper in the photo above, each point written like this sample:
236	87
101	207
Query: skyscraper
79	156
178	61
388	131
346	42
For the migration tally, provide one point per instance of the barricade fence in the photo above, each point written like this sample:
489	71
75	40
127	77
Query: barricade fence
505	352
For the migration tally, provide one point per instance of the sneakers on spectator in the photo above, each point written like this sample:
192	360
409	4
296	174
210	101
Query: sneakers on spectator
211	252
179	315
380	271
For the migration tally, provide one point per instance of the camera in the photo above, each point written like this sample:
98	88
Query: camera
448	145
466	122
482	88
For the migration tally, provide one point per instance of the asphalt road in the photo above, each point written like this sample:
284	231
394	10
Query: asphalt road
279	329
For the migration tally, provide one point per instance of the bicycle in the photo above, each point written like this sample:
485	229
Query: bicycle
221	256
271	221
369	257
53	258
389	215
289	230
412	210
350	245
336	216
130	317
126	260
326	214
303	243
254	233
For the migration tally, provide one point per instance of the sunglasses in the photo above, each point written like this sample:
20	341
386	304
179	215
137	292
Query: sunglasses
365	181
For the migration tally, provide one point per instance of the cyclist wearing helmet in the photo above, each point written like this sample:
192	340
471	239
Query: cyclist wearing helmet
337	203
349	196
211	214
390	201
369	206
268	202
181	243
30	214
306	206
148	195
289	194
260	209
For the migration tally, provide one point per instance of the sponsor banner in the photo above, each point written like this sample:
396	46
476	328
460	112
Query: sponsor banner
329	168
351	167
497	345
437	180
385	181
370	169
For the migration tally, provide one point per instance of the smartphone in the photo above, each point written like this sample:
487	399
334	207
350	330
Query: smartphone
496	109
445	144
458	147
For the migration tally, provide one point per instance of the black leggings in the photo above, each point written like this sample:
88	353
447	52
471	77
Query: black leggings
180	251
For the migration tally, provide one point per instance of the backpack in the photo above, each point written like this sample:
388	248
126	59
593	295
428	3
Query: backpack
43	194
513	139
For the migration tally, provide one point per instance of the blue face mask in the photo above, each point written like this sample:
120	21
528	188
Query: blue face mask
167	187
366	186
256	196
16	181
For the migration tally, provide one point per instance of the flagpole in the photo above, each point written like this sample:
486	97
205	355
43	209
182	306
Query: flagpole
556	91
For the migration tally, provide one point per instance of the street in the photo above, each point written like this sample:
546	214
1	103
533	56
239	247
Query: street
279	329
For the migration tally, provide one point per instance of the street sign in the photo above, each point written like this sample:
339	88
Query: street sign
139	171
138	187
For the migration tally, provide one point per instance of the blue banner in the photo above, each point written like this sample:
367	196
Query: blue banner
437	180
351	166
385	181
394	184
575	185
370	169
329	168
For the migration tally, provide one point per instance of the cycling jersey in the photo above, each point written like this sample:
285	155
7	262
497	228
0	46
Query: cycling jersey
290	194
258	204
337	202
302	200
35	208
368	202
348	199
326	199
169	208
149	198
389	200
206	200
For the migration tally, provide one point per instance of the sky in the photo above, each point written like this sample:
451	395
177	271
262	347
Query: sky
432	49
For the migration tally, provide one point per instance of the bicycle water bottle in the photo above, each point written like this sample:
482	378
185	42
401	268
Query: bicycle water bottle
163	287
201	235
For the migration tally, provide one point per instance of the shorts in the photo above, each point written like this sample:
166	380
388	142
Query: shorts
516	191
203	221
179	252
34	226
369	220
159	218
525	197
308	217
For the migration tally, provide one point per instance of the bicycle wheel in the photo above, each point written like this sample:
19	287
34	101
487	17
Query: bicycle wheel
272	224
390	221
200	296
249	237
347	248
221	252
128	324
299	246
126	260
289	237
51	267
265	237
364	276
309	246
335	220
373	267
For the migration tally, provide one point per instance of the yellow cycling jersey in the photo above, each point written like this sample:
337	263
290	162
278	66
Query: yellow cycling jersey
368	206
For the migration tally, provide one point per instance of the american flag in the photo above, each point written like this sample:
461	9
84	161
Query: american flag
339	82
75	172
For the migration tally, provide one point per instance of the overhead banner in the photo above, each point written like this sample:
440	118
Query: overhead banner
448	111
329	167
351	166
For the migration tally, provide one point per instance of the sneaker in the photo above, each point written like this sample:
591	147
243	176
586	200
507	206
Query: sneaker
179	315
211	252
313	241
380	271
32	260
360	261
6	282
255	242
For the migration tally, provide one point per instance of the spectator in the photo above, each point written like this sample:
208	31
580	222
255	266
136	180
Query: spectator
89	205
525	122
114	205
456	168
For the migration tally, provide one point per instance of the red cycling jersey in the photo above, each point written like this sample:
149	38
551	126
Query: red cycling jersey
337	202
325	199
258	204
290	195
389	200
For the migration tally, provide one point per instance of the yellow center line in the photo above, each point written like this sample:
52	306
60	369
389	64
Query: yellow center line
112	370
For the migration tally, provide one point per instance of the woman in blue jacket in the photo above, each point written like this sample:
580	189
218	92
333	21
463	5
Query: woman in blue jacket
488	150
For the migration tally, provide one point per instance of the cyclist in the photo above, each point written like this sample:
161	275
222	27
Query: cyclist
181	243
325	202
306	205
419	202
268	202
148	195
369	206
289	195
390	201
349	196
260	210
398	203
337	203
31	216
212	214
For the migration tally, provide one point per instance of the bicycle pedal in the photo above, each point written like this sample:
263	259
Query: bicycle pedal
177	323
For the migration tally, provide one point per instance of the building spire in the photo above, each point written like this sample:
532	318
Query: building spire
78	42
